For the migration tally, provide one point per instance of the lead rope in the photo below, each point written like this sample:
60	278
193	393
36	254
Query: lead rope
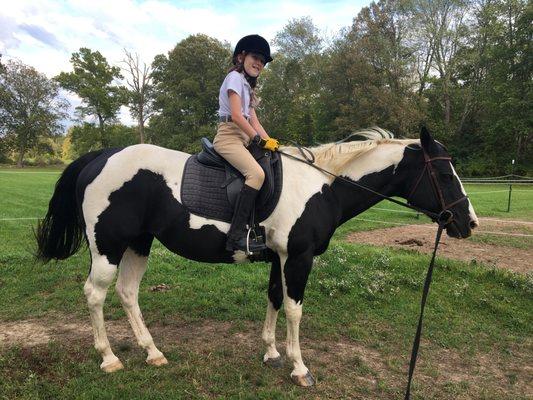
416	342
443	218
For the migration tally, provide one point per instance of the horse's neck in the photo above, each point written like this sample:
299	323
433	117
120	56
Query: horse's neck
375	170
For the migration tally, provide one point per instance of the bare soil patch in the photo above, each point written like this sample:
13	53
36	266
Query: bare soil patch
340	364
422	239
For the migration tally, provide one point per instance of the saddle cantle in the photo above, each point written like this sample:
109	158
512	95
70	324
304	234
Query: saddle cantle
210	185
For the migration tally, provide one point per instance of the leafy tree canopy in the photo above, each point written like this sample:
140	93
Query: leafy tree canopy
30	108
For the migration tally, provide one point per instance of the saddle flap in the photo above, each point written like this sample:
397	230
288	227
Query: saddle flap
210	185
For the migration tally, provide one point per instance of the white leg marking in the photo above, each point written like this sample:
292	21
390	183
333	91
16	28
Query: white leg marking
131	271
269	333
293	313
101	276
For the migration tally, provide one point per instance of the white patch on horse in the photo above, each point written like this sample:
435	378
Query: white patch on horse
120	168
375	160
197	222
473	216
240	257
300	183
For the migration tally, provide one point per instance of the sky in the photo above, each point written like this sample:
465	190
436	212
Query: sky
45	33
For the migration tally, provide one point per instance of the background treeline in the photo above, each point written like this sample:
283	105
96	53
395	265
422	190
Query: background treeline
463	68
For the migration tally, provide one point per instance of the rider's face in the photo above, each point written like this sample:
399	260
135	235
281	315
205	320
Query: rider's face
254	64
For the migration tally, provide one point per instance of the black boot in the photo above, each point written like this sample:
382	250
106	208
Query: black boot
237	235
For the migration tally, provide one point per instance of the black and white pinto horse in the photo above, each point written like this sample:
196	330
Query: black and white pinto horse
120	199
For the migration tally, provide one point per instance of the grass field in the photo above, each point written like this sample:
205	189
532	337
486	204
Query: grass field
360	314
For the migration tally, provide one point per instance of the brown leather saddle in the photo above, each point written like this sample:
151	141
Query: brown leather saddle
210	185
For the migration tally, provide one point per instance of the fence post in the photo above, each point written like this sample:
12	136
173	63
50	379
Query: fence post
510	188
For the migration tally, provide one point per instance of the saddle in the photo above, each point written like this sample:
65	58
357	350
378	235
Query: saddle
211	186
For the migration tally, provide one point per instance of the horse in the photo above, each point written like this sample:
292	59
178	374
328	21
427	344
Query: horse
119	200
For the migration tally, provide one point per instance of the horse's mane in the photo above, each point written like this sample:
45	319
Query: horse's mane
336	155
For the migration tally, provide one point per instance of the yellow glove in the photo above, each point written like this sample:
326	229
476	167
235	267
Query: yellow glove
271	144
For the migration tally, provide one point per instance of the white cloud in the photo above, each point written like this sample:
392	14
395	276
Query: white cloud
147	27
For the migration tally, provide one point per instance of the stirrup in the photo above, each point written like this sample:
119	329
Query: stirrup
258	241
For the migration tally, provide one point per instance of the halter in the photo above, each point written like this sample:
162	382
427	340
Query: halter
445	215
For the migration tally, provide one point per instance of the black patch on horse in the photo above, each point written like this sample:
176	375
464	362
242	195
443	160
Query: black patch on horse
144	207
210	185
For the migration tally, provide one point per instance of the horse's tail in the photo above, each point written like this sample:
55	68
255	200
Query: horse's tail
59	235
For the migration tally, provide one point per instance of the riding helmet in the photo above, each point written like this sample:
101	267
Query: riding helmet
253	44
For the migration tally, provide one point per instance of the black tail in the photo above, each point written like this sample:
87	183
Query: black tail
59	235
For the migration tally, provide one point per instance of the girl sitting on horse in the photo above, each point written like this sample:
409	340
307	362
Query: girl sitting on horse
239	127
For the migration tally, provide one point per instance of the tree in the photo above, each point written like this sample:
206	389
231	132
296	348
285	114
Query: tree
497	75
140	93
30	107
187	82
369	79
442	29
298	39
92	80
290	86
85	137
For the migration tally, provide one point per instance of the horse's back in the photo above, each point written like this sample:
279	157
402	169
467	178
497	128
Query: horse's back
114	167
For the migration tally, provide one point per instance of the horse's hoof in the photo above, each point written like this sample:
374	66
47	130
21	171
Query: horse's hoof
157	362
274	362
112	366
306	380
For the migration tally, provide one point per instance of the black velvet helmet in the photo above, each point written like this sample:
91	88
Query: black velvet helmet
253	44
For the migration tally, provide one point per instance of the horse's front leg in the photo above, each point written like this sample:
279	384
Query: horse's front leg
275	299
295	271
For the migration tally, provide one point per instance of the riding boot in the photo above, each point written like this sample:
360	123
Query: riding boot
237	235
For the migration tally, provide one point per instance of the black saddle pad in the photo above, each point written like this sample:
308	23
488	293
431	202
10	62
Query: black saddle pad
204	190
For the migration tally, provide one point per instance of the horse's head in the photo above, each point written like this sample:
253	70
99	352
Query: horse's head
433	185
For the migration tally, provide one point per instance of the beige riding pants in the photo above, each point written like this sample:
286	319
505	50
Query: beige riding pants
230	142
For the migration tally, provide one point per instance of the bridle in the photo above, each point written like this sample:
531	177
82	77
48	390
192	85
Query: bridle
445	215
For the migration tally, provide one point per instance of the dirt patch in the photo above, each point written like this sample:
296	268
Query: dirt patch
422	239
341	363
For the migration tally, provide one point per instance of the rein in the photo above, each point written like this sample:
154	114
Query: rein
443	218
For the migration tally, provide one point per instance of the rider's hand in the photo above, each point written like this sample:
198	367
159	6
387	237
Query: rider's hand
268	144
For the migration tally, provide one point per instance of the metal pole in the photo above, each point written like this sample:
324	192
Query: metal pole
510	188
509	200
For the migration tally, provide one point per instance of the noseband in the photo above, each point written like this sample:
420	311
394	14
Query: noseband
445	216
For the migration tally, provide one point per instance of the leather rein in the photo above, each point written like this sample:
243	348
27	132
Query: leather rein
443	218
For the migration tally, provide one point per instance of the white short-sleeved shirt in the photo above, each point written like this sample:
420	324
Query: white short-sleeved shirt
237	82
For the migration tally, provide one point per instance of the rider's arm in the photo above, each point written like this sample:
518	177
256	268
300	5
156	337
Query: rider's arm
236	114
254	121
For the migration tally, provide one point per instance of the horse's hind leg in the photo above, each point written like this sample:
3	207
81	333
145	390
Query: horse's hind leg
131	271
100	277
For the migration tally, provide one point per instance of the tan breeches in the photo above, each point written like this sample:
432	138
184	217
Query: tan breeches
230	142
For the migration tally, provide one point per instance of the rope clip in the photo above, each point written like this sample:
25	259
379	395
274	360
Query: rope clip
445	217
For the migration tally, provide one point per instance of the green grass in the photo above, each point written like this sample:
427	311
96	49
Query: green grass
360	295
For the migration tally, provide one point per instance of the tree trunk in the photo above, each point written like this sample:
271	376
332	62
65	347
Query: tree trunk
103	139
141	131
141	125
20	160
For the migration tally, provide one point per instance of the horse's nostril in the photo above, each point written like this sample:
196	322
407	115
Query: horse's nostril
473	224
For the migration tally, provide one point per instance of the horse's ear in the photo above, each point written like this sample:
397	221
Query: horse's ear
425	138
